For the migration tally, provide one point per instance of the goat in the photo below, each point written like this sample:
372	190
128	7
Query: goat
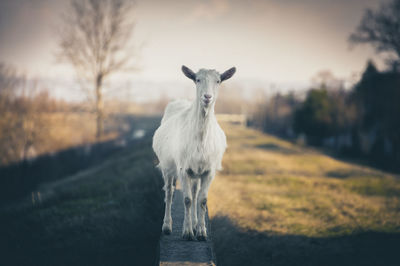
189	145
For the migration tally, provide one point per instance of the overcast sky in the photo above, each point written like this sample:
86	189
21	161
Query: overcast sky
278	41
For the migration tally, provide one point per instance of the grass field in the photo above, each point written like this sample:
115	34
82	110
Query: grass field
276	203
107	215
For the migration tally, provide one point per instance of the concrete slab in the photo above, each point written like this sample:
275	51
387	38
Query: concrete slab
176	251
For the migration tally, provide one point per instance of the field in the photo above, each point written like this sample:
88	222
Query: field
110	214
276	203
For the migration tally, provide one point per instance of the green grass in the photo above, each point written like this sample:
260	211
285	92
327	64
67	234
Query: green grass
110	215
276	203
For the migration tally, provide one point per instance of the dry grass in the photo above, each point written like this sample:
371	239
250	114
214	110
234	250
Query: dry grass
72	129
276	188
69	129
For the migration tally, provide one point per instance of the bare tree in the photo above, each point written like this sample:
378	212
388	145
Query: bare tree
94	40
381	29
22	125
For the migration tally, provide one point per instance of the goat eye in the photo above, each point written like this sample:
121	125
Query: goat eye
218	81
197	80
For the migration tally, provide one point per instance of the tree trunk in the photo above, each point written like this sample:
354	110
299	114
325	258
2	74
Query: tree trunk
99	107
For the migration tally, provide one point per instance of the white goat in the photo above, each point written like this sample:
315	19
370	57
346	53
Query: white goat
190	144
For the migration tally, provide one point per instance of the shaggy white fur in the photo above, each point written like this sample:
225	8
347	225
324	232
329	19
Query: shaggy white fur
189	145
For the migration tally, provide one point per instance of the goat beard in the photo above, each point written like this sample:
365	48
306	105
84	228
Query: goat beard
205	110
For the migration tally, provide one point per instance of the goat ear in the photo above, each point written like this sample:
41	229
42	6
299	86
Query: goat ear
228	74
189	73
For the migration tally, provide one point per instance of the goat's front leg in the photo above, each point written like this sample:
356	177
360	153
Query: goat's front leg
169	192
201	231
195	192
187	232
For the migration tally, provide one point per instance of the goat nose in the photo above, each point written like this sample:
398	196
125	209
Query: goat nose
207	96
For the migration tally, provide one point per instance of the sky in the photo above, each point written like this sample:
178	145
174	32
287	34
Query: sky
281	42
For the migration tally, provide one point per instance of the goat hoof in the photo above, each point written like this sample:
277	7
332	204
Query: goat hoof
201	238
201	234
188	236
166	230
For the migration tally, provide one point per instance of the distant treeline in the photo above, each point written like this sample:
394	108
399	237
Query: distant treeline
363	121
33	123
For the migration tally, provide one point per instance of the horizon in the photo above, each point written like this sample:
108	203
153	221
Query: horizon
282	45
